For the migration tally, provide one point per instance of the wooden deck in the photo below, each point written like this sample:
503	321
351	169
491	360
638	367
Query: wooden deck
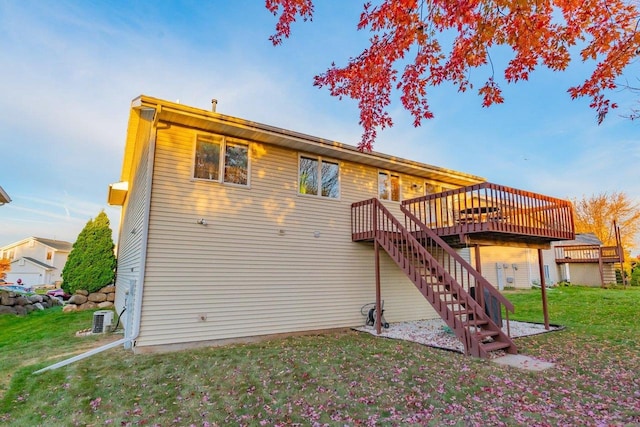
587	254
491	214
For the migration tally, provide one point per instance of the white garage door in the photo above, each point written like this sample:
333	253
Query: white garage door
28	279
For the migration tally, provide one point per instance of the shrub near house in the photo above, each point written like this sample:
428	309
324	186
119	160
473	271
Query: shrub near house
91	264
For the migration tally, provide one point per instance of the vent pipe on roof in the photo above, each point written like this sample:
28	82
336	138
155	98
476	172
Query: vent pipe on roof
214	104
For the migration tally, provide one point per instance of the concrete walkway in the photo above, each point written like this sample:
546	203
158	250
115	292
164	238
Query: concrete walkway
523	362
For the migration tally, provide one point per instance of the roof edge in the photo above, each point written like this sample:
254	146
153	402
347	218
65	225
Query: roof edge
4	197
148	102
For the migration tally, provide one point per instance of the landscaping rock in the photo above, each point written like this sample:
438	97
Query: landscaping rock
22	301
5	309
105	304
88	306
108	289
56	301
82	292
35	298
29	308
20	310
77	299
97	297
8	298
111	297
69	307
38	305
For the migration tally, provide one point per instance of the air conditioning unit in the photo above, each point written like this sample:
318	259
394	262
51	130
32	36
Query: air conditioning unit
102	321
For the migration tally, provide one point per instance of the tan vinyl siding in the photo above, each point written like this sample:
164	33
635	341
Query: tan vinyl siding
609	273
518	264
588	274
257	268
131	238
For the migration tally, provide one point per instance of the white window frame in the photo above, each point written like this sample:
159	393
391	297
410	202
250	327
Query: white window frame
224	142
389	190
320	160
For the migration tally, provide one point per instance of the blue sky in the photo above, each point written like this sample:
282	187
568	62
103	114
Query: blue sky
69	70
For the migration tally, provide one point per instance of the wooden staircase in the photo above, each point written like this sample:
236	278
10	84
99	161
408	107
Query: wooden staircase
443	277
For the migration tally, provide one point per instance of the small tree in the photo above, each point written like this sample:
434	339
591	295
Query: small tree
595	214
91	263
5	265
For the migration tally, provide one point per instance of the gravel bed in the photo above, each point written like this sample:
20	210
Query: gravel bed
435	333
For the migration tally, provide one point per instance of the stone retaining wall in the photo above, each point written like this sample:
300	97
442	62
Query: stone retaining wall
83	300
16	303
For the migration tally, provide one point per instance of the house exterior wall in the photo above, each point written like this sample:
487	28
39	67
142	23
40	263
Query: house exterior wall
268	260
609	273
498	264
512	267
589	274
133	224
29	273
32	248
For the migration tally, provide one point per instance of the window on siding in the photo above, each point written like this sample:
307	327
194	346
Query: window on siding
319	177
236	163
430	188
547	276
388	186
210	164
49	255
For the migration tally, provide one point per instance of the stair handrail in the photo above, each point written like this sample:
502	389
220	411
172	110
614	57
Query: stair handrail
381	225
416	245
485	284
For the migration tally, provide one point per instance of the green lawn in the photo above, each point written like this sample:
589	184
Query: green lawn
346	378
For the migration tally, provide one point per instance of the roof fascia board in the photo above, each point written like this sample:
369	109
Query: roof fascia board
4	197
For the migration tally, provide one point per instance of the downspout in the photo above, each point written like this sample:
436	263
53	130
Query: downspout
127	341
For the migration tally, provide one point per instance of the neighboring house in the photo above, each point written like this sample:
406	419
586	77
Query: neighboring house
583	261
36	261
4	197
232	230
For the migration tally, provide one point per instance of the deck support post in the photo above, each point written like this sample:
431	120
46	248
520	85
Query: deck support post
378	302
376	246
478	261
543	288
601	267
479	291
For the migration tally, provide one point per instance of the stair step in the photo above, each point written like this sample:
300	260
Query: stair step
496	345
478	322
487	333
432	277
446	293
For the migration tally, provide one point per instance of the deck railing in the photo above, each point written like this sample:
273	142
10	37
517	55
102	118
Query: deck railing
491	207
586	253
